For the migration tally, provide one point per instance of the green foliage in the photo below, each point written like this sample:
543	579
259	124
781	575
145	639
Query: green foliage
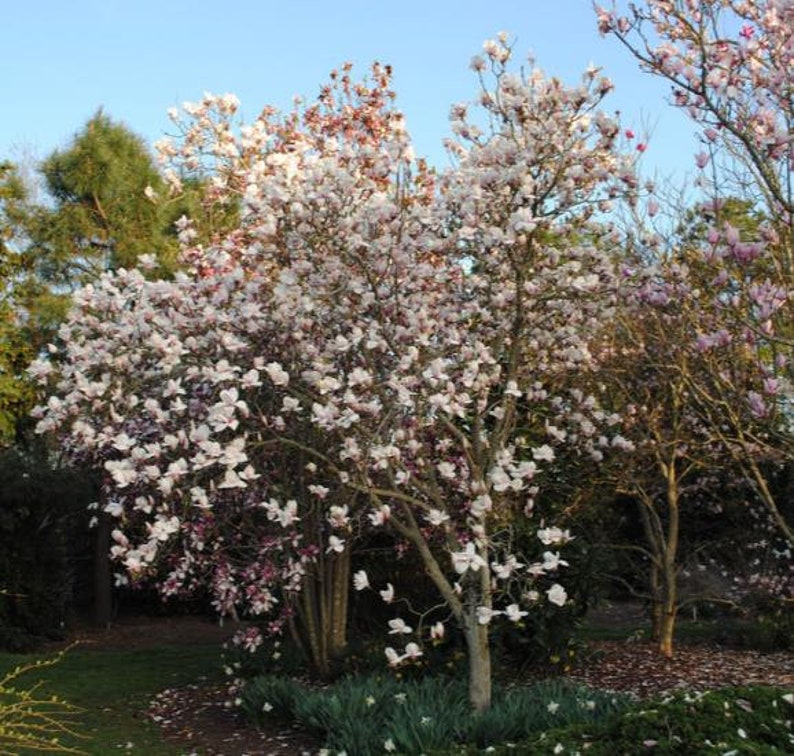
360	714
543	640
732	720
17	336
101	218
42	520
31	721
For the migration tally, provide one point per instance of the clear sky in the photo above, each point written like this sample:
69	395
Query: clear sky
63	59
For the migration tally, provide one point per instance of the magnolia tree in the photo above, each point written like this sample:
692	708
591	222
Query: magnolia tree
729	64
404	351
657	372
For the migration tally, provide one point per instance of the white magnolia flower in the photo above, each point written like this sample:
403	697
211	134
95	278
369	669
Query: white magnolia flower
290	404
412	651
514	614
231	480
552	561
436	517
123	442
388	593
554	536
512	389
468	559
360	580
321	492
114	508
485	614
335	544
398	627
481	505
446	470
380	515
122	471
543	454
277	374
504	571
557	594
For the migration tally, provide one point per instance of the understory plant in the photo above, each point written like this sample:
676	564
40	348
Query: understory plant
372	714
742	720
32	721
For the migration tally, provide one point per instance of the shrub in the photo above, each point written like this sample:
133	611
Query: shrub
31	722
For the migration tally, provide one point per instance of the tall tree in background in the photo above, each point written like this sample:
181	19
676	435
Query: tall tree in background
104	213
106	206
14	354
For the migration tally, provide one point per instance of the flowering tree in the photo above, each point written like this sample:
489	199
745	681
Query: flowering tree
656	373
729	65
409	350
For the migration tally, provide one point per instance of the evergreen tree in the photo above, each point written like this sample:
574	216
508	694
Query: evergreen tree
103	214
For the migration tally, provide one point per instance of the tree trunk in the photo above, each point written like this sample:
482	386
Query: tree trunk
322	611
662	535
657	604
670	569
339	587
667	629
479	652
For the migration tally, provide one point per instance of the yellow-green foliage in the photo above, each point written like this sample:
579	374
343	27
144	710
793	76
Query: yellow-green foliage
31	721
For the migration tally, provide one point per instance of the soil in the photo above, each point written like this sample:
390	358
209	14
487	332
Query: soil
197	720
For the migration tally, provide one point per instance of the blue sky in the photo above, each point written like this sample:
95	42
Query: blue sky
63	59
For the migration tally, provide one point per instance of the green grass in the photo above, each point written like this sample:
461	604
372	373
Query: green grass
114	688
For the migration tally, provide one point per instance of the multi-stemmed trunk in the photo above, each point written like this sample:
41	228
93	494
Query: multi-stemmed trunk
320	623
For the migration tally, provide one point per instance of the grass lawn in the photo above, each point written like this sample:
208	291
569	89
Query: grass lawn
114	689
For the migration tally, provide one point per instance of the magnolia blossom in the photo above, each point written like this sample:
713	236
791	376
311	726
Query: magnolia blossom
412	651
485	614
504	570
468	559
398	627
360	580
335	545
277	374
514	613
553	536
557	595
552	561
436	517
380	516
387	594
338	516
